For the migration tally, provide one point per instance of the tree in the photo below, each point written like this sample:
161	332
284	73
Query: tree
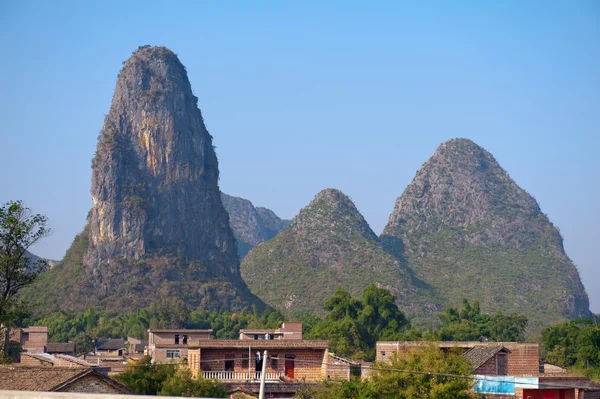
399	380
145	378
181	383
19	230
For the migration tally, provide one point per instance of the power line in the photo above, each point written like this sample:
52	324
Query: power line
549	384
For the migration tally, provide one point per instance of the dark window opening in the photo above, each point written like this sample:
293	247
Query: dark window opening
177	340
229	362
255	336
245	361
274	362
185	339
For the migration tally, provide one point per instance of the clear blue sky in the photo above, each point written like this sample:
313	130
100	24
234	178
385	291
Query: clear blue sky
301	96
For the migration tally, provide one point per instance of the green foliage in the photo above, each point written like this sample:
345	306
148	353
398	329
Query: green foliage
353	326
19	230
575	344
145	378
410	376
391	383
181	383
168	313
469	324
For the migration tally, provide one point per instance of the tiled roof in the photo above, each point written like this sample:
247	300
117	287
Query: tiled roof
259	344
480	354
111	344
47	379
60	347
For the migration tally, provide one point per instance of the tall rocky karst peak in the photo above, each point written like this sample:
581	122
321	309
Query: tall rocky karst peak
158	227
467	229
329	244
251	225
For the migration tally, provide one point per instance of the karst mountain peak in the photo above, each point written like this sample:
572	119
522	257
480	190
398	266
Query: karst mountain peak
468	230
328	244
158	227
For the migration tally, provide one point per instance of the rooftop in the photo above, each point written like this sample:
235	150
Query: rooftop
259	344
47	379
183	331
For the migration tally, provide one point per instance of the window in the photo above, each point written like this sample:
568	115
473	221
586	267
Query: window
172	353
383	356
501	364
255	336
245	361
274	362
177	340
185	339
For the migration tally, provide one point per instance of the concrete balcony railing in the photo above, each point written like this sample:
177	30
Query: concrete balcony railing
239	376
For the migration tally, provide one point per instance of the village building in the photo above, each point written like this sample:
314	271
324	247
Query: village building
288	330
65	348
58	379
504	370
109	346
170	345
238	363
31	339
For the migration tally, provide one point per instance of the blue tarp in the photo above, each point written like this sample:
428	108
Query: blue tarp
502	384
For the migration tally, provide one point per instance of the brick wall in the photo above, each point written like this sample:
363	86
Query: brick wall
31	361
160	354
488	368
59	362
34	341
523	359
90	384
168	338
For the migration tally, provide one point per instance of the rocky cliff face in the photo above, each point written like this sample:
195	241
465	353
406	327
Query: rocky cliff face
251	225
158	227
328	244
468	230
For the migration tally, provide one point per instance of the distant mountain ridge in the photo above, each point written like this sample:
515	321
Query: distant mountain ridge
468	230
251	225
329	244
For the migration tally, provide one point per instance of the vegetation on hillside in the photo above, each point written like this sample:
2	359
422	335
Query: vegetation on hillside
466	229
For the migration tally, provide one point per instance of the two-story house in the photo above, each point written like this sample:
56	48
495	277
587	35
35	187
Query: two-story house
166	345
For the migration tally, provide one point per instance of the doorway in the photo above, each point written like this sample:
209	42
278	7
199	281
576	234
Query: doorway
289	366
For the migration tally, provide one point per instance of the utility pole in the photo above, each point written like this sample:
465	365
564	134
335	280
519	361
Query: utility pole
261	394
